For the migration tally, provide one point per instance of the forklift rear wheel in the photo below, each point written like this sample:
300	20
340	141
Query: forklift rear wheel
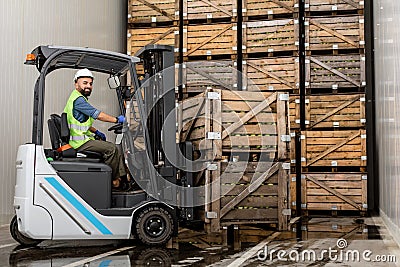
20	238
154	226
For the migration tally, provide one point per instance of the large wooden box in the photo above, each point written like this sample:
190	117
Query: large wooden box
151	11
140	37
269	7
200	10
334	33
331	191
329	111
270	36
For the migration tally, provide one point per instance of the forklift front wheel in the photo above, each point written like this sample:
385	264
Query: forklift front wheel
20	238
154	226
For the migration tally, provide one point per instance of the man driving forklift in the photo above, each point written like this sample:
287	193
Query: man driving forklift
80	117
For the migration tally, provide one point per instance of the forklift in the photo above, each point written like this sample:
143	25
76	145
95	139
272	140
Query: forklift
67	195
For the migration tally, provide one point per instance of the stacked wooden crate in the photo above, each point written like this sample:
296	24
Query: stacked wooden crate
333	146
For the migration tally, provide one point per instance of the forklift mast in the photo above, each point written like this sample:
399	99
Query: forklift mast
159	107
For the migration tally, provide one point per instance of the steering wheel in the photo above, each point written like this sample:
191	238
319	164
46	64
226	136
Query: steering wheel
117	128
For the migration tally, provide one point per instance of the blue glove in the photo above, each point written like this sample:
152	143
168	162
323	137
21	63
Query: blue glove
121	119
100	134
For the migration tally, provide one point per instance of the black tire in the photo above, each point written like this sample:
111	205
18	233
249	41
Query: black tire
20	238
154	226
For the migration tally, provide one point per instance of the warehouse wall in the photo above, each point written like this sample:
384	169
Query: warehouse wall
25	24
387	71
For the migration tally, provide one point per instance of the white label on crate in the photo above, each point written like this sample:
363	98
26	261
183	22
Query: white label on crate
244	10
303	159
213	95
296	5
270	87
286	166
128	53
302	137
362	58
184	50
297	101
297	44
365	230
334	86
185	30
307	122
212	166
292	134
365	206
129	16
183	85
185	14
209	87
176	65
176	50
234	10
243	47
307	101
244	87
234	48
363	121
303	176
364	177
306	23
361	3
361	21
334	7
334	207
298	121
235	85
153	19
293	161
208	52
244	62
363	157
336	124
307	84
184	65
308	61
334	163
362	42
177	13
234	28
307	5
363	83
270	50
270	12
244	26
235	64
307	44
214	135
176	32
363	136
334	227
129	35
211	215
335	46
296	21
286	212
293	179
362	99
209	16
297	85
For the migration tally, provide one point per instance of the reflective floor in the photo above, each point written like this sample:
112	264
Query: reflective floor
243	246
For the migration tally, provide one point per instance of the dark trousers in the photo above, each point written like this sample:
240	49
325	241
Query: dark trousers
111	155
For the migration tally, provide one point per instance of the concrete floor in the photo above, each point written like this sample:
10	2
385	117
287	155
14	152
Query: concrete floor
302	246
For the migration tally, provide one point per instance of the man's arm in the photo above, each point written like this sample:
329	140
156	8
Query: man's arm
84	107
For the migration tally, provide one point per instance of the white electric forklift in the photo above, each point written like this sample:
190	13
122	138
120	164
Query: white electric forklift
67	195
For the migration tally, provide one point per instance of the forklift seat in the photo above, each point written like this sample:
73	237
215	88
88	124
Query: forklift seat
59	136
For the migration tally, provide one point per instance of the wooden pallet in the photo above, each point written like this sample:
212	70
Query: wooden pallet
210	39
151	11
333	148
336	72
139	37
334	6
331	191
329	111
198	76
200	10
335	32
227	123
270	36
271	8
249	193
271	74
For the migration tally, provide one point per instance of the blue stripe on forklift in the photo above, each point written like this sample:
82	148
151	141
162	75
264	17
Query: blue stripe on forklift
85	212
105	263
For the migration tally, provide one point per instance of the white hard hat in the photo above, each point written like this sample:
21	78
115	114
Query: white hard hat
83	73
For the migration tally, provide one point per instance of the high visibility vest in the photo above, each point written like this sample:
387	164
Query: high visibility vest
78	131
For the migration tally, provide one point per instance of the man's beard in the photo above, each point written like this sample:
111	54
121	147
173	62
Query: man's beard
86	93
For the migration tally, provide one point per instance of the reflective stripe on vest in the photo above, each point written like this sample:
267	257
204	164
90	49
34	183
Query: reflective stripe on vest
79	131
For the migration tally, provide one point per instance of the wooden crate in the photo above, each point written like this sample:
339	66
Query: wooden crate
208	10
269	7
270	36
331	191
198	76
334	5
151	11
139	37
336	72
271	74
231	122
329	111
335	32
247	193
210	39
334	148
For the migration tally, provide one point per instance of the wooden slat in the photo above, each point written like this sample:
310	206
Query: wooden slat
150	11
333	5
140	37
268	7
